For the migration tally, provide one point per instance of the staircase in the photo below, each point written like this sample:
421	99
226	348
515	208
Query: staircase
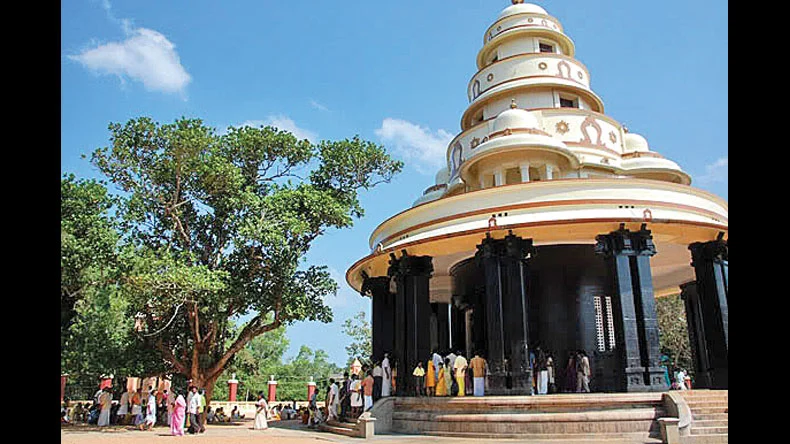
604	417
709	412
339	427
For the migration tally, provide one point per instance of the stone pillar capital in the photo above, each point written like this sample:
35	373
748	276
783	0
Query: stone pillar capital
715	250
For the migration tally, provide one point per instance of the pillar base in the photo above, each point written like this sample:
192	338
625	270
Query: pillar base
522	384
497	384
657	381
635	379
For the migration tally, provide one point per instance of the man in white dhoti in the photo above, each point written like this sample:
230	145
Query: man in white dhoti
478	366
123	408
437	359
386	385
334	400
170	399
105	400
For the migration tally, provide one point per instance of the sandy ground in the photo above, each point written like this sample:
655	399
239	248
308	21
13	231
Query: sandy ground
279	432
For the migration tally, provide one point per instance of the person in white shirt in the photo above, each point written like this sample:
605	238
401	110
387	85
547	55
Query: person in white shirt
386	385
150	412
105	400
123	409
459	366
193	408
437	359
378	380
334	399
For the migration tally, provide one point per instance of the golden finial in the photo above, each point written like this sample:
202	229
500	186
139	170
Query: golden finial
513	101
516	2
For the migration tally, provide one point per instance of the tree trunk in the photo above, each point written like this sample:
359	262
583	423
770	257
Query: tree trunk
207	383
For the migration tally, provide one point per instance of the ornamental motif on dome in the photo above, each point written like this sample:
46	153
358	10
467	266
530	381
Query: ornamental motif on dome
490	77
475	142
542	65
612	137
562	127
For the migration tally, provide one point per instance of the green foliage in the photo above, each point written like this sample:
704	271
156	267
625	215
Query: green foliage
218	226
361	346
674	339
88	244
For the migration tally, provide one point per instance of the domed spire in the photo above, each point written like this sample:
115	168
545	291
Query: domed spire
516	2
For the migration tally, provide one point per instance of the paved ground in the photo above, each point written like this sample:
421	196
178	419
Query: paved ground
279	432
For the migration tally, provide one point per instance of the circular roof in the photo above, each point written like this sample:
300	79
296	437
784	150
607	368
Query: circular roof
635	142
521	8
515	118
442	176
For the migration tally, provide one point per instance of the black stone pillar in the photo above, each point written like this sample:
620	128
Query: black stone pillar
413	311
489	258
515	259
710	261
442	326
383	320
636	327
699	348
645	304
506	274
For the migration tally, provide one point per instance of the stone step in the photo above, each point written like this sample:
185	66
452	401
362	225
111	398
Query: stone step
704	439
501	428
337	430
710	423
708	430
710	416
707	403
706	410
345	424
591	416
617	438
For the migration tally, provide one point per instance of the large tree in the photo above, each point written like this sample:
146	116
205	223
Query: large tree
221	224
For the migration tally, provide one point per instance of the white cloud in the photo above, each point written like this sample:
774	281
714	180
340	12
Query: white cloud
318	106
424	149
715	172
283	123
146	56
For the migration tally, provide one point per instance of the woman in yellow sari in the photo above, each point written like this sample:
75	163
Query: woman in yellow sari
441	387
430	380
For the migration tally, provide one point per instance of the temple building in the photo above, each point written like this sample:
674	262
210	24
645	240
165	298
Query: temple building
552	225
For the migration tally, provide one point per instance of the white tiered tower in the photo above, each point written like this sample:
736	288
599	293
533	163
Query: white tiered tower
538	160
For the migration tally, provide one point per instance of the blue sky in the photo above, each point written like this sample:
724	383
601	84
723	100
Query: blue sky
392	72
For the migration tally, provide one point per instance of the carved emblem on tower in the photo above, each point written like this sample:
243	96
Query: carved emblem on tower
585	129
567	66
562	127
475	142
612	137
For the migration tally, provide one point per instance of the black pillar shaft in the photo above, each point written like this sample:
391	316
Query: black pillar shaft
412	316
710	261
699	348
442	326
628	254
516	253
489	257
382	314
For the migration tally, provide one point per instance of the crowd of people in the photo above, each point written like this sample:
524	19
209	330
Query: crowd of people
143	410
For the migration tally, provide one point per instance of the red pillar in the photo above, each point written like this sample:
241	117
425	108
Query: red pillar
310	389
272	390
233	385
63	379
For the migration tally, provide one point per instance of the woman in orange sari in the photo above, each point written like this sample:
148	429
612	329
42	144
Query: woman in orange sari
441	387
430	380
